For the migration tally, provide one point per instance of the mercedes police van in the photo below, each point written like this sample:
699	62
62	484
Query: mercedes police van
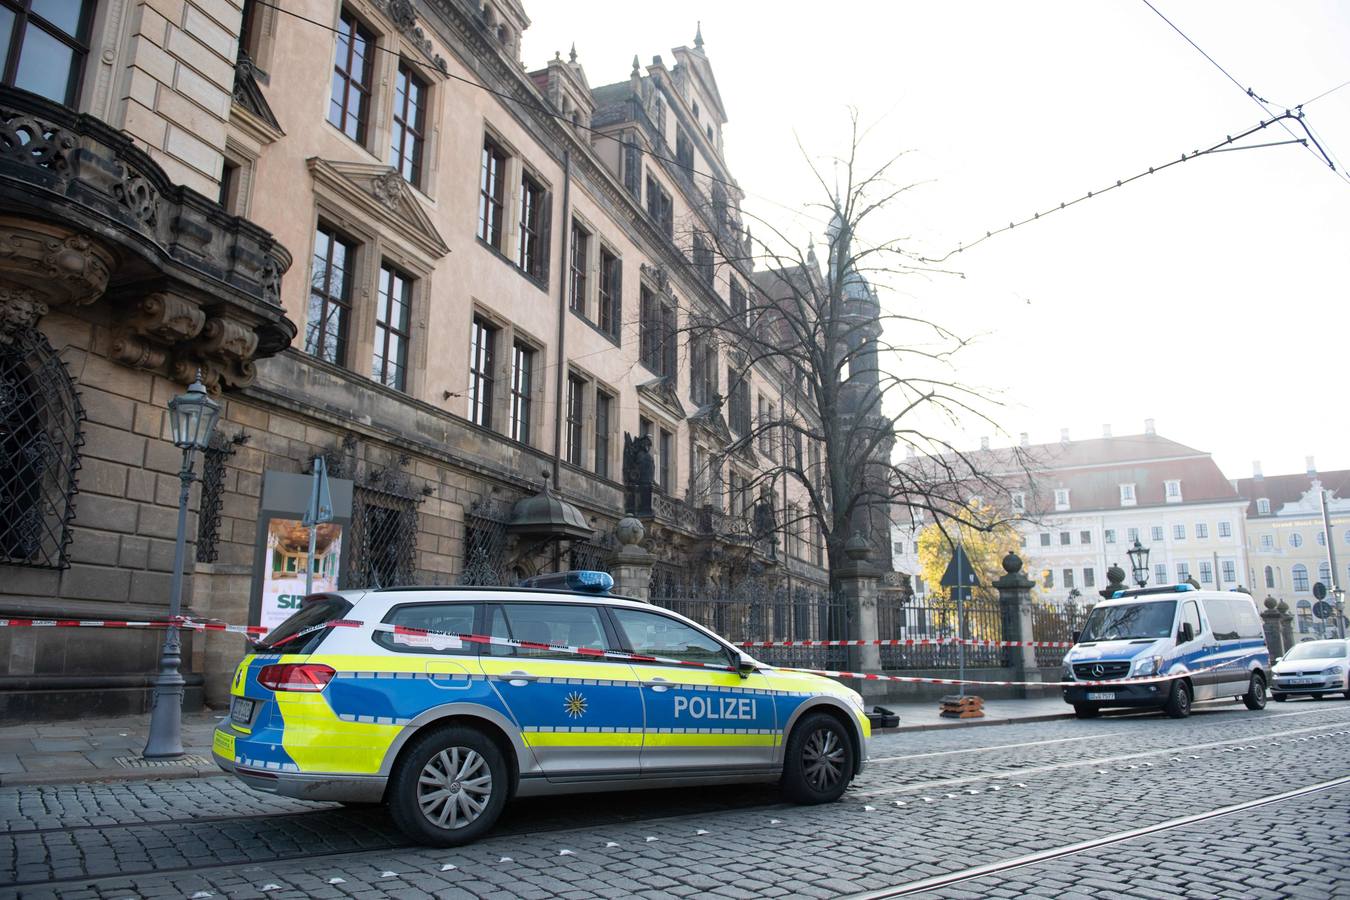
1211	641
373	697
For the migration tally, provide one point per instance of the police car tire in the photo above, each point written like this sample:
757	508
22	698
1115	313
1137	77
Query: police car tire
403	786
797	787
1178	704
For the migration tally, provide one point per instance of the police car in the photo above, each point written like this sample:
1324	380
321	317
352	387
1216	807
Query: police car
423	699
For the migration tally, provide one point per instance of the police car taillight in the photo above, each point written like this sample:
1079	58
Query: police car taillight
296	677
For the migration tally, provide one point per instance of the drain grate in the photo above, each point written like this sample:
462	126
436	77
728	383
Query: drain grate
135	762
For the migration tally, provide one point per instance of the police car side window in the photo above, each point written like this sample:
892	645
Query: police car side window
555	623
653	634
455	618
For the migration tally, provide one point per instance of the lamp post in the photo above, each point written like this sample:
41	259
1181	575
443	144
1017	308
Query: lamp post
192	418
1138	555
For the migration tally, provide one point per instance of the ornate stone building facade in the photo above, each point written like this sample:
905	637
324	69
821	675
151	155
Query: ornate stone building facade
384	241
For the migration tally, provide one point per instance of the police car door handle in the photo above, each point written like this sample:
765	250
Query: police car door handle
520	679
659	685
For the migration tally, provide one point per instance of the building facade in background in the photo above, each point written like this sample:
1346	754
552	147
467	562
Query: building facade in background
487	269
1287	541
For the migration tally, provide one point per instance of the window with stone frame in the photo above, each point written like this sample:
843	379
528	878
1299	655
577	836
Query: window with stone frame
482	359
703	258
409	131
393	324
41	432
656	333
740	304
660	207
665	440
44	45
575	419
604	415
703	368
349	99
577	280
533	247
492	194
522	376
330	295
684	149
738	405
1089	577
609	315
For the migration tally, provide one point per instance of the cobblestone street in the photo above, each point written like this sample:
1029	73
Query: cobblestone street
931	810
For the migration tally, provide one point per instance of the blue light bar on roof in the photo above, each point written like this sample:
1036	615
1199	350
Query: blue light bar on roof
1140	592
587	581
1185	587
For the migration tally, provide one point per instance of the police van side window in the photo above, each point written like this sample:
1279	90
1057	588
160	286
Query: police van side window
1190	613
554	623
454	618
1221	619
653	634
1248	623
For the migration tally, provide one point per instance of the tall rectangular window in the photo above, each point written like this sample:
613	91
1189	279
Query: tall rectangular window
349	100
1160	573
482	356
739	405
1068	578
1089	577
43	46
576	399
405	152
532	245
659	207
581	248
393	314
1206	573
703	369
492	194
330	297
610	313
703	258
1085	537
1109	535
522	374
604	405
1179	532
1132	535
1157	533
1225	529
656	333
1201	531
1183	571
1229	570
666	465
740	304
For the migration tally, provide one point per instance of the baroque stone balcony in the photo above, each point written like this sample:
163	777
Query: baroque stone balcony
89	223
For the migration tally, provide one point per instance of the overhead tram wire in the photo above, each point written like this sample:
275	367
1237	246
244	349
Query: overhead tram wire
1261	101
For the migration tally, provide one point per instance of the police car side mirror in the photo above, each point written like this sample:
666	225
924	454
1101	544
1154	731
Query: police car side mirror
1076	635
745	668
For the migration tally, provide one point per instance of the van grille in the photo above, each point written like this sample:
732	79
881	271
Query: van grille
1099	670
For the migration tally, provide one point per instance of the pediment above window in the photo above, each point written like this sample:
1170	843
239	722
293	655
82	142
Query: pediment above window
661	393
380	193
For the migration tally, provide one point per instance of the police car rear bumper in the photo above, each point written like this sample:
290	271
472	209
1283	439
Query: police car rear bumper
344	788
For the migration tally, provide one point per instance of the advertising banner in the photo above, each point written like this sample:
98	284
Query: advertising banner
287	556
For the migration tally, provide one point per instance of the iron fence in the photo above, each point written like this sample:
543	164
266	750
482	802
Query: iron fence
934	617
1056	622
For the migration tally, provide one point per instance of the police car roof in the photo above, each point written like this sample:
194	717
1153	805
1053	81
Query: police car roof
523	593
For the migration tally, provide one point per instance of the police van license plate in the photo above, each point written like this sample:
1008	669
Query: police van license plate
1101	696
241	710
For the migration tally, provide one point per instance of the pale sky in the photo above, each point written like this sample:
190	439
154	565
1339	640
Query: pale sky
1210	297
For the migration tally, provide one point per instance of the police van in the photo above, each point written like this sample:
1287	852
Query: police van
425	700
1212	641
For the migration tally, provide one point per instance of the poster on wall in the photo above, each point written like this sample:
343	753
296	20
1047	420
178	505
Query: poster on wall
286	558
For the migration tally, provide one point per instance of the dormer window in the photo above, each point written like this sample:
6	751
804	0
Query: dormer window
1061	499
1263	506
1127	495
1173	491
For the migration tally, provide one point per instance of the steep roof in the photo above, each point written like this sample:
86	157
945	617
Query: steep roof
1282	489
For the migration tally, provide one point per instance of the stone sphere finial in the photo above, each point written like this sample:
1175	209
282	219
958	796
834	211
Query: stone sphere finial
857	548
629	531
1283	607
1012	563
1270	602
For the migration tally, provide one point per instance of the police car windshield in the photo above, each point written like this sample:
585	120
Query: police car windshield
1129	621
1319	650
315	612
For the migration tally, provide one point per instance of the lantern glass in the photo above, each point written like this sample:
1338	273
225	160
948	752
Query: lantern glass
1138	555
192	417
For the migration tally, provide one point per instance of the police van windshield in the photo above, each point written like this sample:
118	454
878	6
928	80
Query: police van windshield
1129	621
303	631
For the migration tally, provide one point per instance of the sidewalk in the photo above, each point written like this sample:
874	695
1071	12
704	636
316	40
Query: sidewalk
109	749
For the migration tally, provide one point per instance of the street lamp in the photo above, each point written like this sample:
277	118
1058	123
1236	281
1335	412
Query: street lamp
1138	555
192	419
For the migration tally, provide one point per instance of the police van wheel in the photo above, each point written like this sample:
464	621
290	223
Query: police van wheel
1178	704
449	787
1255	698
1086	710
818	764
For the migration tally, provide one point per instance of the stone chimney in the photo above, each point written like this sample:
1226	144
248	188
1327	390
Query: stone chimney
1256	469
1064	435
1148	427
984	443
1024	440
1312	467
1106	430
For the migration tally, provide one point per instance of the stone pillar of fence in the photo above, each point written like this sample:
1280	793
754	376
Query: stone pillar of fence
1014	597
1115	581
858	581
1286	625
631	565
1270	623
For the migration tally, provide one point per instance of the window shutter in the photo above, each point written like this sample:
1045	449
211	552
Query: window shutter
545	239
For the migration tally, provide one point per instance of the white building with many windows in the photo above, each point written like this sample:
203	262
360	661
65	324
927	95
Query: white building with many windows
1080	505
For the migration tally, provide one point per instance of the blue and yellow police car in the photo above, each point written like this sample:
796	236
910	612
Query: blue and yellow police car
443	703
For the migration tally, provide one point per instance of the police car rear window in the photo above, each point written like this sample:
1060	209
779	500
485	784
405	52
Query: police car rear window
315	612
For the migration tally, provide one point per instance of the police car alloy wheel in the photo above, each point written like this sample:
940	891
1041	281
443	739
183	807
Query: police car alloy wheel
449	787
819	761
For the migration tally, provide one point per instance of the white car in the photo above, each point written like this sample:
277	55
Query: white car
1313	668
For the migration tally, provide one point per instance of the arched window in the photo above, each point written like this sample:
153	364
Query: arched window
40	439
1305	623
1270	577
1324	573
1301	578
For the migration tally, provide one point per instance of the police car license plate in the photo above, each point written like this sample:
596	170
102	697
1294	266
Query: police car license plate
241	710
1101	696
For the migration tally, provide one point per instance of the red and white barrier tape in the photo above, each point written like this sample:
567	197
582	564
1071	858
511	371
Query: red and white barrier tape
181	622
907	642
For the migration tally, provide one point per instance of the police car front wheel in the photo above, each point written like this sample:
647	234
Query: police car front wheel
819	761
449	787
